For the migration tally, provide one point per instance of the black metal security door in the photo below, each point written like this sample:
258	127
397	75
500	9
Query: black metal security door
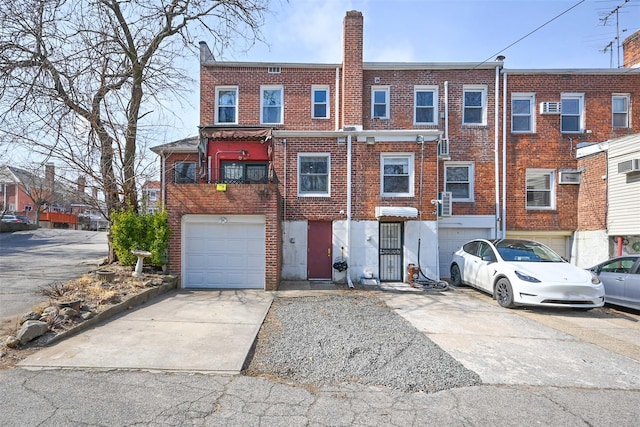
391	251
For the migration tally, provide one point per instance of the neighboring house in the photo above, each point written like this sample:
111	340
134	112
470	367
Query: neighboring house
297	166
151	197
23	192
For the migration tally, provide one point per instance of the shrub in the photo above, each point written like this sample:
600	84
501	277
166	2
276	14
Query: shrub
133	231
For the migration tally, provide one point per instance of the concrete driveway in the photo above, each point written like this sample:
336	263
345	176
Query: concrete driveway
597	349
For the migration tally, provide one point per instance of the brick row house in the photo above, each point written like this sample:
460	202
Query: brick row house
353	171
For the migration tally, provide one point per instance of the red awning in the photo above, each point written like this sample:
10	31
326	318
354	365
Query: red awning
241	133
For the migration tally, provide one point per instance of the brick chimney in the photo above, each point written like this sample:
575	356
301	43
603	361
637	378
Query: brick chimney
631	49
352	69
82	184
49	175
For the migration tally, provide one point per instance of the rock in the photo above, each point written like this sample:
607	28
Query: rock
86	315
30	330
69	312
12	342
49	310
32	315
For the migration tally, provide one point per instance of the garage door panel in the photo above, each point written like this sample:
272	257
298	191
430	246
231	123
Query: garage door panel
224	254
451	239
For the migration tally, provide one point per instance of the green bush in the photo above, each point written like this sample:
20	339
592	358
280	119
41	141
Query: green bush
133	231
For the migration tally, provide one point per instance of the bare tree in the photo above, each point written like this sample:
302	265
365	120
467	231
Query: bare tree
80	80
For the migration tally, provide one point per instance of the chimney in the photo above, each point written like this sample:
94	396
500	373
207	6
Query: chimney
352	74
82	184
631	51
94	192
49	175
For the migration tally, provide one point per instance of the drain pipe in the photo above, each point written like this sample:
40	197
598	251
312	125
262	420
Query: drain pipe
504	155
496	152
349	282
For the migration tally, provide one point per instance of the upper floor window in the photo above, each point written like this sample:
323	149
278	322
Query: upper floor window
380	102
522	112
397	175
458	179
152	195
572	113
320	102
227	105
540	189
620	108
243	172
271	104
475	105
184	173
426	101
314	171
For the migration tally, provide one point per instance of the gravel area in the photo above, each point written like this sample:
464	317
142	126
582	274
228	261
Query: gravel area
351	337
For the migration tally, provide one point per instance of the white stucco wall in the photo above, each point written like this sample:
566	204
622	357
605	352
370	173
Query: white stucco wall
590	248
294	250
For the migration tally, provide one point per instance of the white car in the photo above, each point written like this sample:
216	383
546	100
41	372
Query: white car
523	272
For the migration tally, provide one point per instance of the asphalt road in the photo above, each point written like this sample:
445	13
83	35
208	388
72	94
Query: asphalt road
31	260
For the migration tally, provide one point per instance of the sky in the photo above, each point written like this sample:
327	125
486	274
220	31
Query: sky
573	34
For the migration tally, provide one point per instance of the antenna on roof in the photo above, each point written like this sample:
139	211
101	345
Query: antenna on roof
604	20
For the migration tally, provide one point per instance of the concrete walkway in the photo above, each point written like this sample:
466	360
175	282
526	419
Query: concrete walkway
193	331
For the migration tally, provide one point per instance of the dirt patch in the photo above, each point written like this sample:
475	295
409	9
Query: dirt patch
92	294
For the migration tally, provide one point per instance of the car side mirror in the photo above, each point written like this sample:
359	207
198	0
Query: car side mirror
488	258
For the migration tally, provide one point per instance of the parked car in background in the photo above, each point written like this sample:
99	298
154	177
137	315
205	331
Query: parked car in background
15	218
524	272
621	279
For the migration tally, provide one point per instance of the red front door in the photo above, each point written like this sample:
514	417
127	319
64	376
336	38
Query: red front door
319	237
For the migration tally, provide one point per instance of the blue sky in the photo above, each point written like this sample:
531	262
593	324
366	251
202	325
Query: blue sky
441	31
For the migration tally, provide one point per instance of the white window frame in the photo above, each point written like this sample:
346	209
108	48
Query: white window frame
483	100
627	99
326	193
320	88
410	173
434	105
218	106
552	188
263	106
470	182
386	90
572	96
531	97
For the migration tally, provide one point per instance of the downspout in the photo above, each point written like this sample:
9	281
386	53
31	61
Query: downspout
337	100
349	282
496	155
504	155
163	179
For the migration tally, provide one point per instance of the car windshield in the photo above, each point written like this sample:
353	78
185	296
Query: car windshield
525	251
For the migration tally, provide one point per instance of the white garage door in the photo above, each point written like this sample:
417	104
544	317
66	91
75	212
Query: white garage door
223	251
450	240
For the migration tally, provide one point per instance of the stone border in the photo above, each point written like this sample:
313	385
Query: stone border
168	284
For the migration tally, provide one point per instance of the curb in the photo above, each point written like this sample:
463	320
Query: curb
128	304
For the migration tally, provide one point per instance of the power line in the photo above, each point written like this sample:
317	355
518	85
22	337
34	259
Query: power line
531	32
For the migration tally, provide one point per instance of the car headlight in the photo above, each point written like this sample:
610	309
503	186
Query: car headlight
526	277
594	279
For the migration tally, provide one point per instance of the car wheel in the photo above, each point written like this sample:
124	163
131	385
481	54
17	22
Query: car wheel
504	293
456	277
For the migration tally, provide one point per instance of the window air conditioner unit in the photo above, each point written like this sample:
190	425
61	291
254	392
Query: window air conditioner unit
570	177
629	166
443	148
550	107
445	205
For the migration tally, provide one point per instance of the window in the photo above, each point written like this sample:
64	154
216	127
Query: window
397	175
243	173
425	100
227	105
271	103
620	108
571	116
185	173
320	102
458	179
540	189
522	117
380	102
475	101
314	171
